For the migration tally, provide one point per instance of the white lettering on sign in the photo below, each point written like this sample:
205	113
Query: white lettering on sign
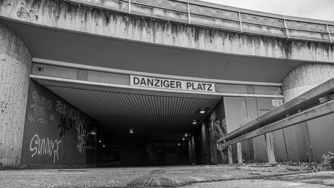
171	84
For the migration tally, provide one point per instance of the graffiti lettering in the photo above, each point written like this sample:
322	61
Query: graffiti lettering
40	108
82	136
68	119
22	12
110	156
3	106
44	147
71	118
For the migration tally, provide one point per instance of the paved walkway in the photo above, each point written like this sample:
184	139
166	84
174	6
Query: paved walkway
246	176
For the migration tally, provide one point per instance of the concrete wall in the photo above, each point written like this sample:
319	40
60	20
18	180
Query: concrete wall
56	133
241	110
108	157
15	64
209	132
308	141
110	19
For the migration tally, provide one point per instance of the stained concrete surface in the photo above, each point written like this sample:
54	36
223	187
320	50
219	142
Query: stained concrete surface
172	176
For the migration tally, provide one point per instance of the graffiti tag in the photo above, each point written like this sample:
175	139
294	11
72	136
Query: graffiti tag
110	156
68	119
40	108
71	118
82	136
44	147
22	12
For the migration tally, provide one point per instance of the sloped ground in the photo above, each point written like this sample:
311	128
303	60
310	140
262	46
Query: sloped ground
177	176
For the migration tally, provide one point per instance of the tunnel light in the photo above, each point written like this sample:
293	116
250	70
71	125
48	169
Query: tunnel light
202	110
100	140
93	132
194	122
131	131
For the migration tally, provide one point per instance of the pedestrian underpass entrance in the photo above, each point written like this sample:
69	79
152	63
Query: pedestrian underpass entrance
140	129
91	116
133	127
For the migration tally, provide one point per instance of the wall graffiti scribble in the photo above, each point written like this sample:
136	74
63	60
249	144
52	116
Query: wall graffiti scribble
22	13
110	156
40	108
69	117
44	146
3	106
82	136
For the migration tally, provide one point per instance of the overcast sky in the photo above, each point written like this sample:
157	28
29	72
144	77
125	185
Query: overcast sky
317	9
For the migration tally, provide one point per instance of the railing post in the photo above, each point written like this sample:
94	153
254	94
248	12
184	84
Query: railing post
286	28
129	6
270	148
189	20
240	22
329	33
229	155
239	153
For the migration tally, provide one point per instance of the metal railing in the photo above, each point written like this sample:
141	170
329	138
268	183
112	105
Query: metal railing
314	103
222	17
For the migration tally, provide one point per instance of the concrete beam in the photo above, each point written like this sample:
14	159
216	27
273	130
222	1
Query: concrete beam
172	28
93	75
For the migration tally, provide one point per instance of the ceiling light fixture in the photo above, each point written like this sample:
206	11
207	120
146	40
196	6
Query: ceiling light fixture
93	132
202	110
178	144
186	135
131	131
100	140
194	122
103	146
183	138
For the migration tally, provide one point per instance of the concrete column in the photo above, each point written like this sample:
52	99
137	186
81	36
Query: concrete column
301	79
15	65
305	77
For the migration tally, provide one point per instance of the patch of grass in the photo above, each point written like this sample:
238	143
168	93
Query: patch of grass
328	160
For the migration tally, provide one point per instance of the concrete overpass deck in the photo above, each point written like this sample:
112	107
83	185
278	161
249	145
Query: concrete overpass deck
78	59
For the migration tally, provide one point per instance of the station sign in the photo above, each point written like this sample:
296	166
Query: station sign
171	84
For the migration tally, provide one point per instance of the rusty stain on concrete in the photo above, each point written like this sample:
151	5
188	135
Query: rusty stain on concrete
83	18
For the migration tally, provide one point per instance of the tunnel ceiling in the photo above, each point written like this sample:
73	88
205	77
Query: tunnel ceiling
152	117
